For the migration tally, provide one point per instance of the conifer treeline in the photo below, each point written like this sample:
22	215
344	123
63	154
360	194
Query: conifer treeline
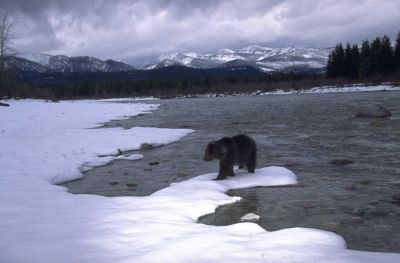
376	57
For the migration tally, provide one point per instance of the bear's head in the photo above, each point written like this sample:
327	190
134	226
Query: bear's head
214	150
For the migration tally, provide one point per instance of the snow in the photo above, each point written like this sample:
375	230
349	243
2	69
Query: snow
40	58
280	58
187	61
226	57
256	49
354	88
130	99
191	54
283	64
226	51
149	67
45	142
104	160
336	89
168	56
316	90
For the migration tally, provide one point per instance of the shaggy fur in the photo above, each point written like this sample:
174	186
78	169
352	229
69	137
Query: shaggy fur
237	150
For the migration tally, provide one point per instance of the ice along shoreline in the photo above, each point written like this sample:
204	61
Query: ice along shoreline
315	90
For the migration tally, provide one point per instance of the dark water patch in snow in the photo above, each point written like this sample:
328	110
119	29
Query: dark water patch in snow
303	132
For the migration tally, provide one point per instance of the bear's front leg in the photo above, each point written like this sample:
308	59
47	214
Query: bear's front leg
225	170
220	177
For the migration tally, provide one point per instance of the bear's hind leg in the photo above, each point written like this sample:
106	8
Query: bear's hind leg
231	173
251	166
251	161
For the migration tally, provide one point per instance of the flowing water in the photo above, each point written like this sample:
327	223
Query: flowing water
303	132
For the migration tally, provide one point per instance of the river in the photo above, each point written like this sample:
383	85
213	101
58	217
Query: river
302	132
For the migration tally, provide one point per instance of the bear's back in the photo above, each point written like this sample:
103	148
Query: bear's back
244	143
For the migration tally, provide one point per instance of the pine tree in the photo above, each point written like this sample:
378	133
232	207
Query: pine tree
386	56
397	52
365	66
339	60
365	50
355	62
347	61
330	73
374	54
376	57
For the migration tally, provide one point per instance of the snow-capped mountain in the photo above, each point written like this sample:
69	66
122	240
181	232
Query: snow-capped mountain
37	57
62	63
264	58
65	64
23	64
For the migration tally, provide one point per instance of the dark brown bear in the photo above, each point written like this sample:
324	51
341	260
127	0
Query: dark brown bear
240	150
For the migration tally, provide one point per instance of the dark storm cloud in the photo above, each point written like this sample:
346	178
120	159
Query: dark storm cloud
131	30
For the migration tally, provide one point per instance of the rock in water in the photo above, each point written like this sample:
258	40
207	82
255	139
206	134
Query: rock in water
341	161
352	220
250	217
380	112
307	204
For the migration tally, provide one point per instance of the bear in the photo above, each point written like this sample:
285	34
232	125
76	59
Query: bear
239	149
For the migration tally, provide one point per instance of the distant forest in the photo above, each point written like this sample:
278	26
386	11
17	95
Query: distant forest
353	62
372	63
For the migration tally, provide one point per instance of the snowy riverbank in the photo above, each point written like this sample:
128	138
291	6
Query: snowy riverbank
45	143
337	89
315	90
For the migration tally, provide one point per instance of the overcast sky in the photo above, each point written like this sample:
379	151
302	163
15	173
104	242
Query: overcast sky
135	30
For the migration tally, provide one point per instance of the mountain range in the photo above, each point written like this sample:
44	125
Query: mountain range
44	63
265	59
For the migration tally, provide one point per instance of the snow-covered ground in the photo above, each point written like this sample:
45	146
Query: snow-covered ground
43	143
335	89
315	90
132	99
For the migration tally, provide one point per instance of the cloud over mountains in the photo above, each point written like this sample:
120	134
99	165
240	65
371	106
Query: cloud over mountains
135	30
